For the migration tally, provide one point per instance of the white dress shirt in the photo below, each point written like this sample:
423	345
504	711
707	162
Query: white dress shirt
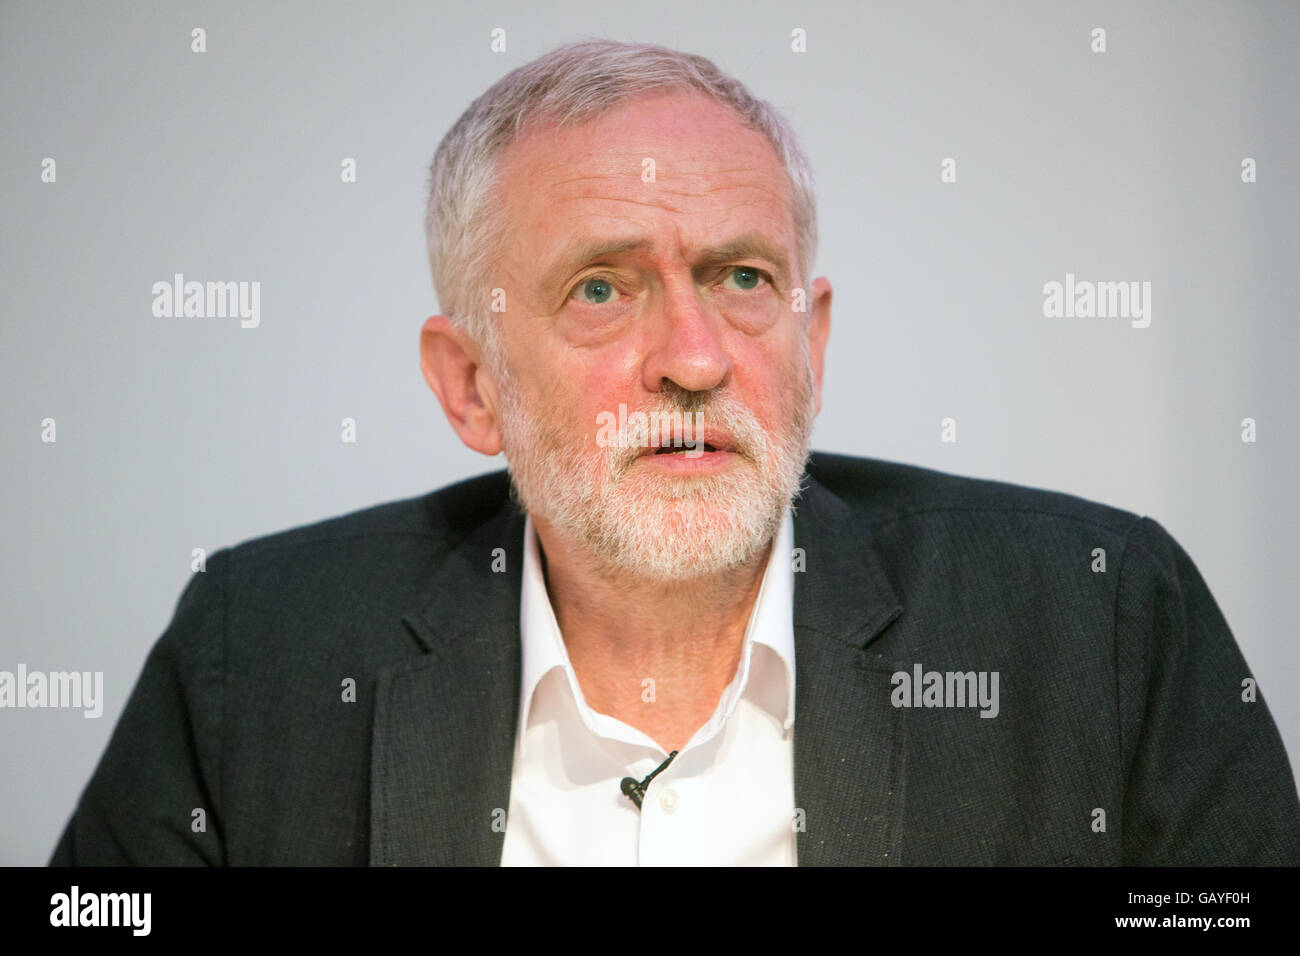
726	799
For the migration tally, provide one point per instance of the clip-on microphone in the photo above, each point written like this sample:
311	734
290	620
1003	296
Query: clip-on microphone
636	791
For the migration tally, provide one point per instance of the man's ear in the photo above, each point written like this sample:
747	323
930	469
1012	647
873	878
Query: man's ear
819	332
453	366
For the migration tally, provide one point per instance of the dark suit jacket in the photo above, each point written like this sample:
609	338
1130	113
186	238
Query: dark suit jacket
1120	691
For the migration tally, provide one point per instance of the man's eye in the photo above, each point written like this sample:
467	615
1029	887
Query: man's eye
595	291
747	278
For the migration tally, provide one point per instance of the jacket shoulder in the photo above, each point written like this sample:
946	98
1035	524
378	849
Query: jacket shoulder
341	576
443	516
880	492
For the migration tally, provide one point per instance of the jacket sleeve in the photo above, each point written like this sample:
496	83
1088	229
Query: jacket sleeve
1207	780
162	764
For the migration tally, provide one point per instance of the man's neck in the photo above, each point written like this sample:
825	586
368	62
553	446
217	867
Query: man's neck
654	654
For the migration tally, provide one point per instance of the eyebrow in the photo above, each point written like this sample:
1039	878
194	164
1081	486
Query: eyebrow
747	245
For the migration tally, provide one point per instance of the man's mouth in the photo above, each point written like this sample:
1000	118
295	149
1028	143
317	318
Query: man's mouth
682	449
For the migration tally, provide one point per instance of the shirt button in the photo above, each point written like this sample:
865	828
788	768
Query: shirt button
668	801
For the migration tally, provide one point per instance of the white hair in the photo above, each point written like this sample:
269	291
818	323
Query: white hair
580	81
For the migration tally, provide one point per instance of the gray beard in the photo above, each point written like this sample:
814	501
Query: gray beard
659	526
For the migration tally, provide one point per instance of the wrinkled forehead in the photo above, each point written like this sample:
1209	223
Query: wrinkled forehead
679	153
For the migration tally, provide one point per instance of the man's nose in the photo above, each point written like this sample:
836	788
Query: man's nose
685	344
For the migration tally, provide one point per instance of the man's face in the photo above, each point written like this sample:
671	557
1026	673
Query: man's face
651	263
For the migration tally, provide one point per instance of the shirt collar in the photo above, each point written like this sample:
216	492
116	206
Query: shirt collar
771	623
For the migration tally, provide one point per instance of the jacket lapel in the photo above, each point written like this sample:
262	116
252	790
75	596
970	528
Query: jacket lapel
848	740
444	732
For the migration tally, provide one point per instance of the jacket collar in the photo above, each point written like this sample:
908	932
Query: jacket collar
443	738
445	720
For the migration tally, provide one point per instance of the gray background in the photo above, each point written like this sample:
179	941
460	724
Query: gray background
183	433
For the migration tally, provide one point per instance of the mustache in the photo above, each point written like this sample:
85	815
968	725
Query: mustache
715	414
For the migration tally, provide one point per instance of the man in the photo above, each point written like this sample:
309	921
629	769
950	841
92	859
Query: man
680	639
